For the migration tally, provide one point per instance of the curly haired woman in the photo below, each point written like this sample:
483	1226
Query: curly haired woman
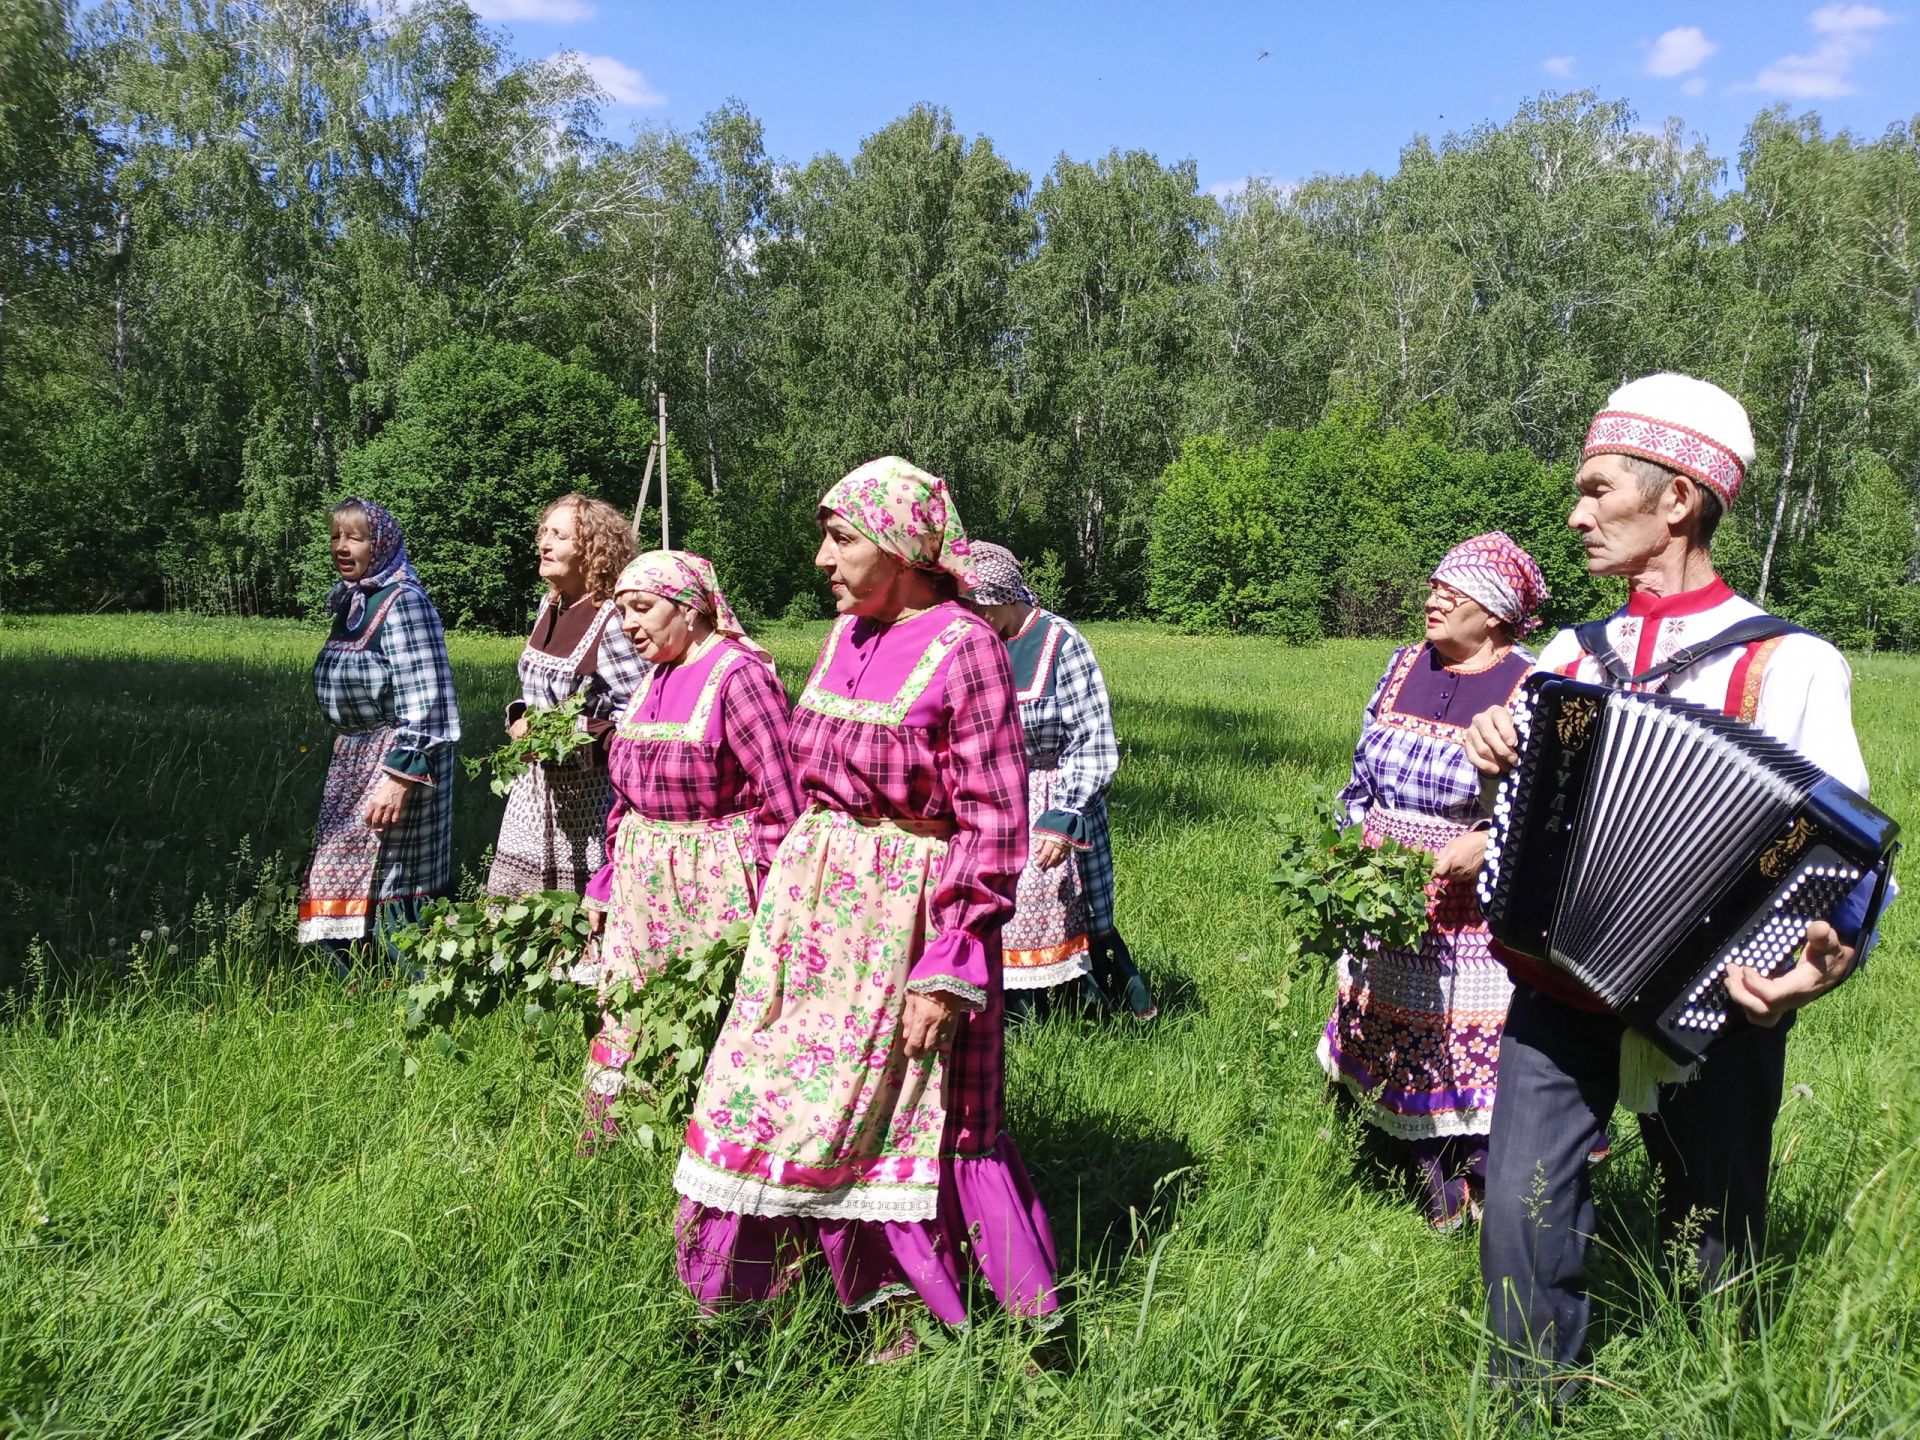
554	833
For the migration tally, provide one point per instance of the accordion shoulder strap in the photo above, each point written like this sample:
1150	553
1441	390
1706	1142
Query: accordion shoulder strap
1593	639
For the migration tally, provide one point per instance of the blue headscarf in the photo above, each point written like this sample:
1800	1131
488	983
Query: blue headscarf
387	565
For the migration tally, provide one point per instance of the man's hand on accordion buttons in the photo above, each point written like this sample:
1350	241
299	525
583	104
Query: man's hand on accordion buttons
1823	964
1492	743
1460	857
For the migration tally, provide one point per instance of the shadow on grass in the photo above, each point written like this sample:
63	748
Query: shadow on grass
1636	1271
1190	763
1228	735
140	785
1109	1184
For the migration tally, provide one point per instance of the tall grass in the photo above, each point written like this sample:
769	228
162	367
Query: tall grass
225	1211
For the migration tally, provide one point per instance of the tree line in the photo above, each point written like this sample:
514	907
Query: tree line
252	255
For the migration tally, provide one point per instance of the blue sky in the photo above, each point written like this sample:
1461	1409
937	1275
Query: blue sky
1342	86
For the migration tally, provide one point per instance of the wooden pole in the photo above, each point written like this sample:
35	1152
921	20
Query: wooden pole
662	444
646	484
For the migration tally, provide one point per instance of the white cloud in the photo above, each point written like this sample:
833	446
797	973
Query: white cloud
1848	19
1560	65
552	12
623	84
1680	50
1846	33
1695	85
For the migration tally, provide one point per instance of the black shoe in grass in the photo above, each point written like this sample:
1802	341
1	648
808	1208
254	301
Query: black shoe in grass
1119	979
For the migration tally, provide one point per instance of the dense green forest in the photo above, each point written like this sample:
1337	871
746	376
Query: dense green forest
252	256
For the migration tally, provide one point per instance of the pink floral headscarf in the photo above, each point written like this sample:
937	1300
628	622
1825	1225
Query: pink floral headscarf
686	579
1500	576
907	513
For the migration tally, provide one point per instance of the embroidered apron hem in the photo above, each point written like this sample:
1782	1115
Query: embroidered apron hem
721	1189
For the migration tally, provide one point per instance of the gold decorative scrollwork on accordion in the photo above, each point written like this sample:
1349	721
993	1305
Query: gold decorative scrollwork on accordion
1575	721
1777	856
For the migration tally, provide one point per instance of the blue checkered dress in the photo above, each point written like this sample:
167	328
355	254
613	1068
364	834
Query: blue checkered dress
393	673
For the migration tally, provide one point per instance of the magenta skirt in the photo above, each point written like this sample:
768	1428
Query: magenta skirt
990	1218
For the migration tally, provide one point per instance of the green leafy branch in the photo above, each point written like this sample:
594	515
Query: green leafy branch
553	735
475	956
674	1016
1338	893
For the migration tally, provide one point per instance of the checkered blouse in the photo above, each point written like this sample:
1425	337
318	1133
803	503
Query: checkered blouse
1410	756
743	768
393	671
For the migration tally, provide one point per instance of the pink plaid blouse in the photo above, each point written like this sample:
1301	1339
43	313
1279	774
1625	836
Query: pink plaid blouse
701	740
917	722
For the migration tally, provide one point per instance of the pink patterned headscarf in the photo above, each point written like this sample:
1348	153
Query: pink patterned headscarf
907	513
686	579
1501	577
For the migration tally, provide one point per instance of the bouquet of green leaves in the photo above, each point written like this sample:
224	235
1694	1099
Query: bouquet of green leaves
477	956
1337	891
553	735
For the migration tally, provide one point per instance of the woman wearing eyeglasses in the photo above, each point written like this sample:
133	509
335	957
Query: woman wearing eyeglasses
1415	1034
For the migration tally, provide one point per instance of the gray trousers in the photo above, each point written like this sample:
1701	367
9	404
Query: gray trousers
1711	1144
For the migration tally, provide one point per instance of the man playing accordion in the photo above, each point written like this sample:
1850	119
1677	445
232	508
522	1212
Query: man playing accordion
1662	463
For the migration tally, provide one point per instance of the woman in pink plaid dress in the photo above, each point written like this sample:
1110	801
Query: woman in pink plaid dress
855	1096
702	792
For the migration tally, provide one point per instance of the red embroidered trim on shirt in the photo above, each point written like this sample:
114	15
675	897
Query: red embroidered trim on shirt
1687	602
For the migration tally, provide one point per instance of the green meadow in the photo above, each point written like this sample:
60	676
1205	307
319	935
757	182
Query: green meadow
227	1211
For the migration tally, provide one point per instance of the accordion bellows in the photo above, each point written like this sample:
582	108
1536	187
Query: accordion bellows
1643	844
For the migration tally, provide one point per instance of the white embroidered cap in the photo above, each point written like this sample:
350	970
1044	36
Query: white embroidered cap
1688	425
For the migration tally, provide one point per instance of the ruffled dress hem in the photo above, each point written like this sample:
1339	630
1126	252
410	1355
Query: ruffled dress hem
988	1212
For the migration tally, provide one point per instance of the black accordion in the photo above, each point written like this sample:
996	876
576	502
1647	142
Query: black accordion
1643	844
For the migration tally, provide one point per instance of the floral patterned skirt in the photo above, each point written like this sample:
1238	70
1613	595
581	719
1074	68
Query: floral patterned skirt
553	835
812	1127
677	885
1415	1034
1046	940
